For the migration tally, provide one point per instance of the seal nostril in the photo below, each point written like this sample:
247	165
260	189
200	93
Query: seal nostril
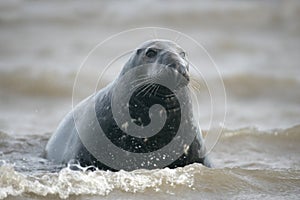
185	73
183	70
187	77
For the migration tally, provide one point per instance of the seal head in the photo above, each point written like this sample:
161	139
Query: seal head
161	53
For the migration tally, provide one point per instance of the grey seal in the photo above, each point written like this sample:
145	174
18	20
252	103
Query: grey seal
67	143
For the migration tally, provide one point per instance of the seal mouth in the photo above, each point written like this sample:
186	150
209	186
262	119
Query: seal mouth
175	75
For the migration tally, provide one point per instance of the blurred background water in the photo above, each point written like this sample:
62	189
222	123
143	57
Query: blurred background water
255	45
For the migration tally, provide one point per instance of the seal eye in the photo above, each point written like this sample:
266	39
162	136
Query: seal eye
151	53
182	54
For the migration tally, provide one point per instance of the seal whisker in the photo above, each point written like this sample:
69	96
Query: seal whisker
195	84
149	87
140	79
141	76
193	89
157	87
145	88
141	84
193	79
148	90
153	89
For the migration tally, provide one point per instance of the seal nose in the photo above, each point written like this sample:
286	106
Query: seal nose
184	72
181	69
